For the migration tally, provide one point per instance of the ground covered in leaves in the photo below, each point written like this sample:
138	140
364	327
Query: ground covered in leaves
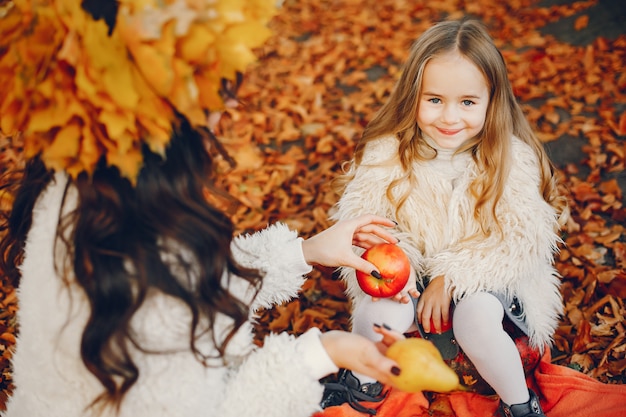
328	68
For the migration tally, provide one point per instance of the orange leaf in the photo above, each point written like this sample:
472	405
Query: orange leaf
583	337
581	22
622	124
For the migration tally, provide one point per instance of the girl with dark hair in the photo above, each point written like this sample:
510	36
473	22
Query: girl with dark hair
135	300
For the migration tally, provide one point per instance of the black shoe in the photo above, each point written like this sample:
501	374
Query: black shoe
348	389
531	408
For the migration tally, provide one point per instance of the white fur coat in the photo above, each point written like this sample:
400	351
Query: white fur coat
437	217
278	380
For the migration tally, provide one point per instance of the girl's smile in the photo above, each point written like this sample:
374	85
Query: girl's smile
453	102
449	132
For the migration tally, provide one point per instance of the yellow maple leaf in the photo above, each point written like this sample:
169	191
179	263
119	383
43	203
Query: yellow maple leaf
107	55
64	146
234	56
194	47
82	93
208	88
250	33
117	122
154	59
129	162
89	151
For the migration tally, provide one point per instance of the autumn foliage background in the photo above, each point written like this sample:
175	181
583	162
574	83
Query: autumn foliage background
329	66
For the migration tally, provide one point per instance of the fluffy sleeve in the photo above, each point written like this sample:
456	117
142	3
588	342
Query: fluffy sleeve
280	379
277	252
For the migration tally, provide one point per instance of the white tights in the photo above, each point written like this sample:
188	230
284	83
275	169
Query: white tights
477	323
398	316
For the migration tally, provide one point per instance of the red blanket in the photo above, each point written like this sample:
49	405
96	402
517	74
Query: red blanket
563	392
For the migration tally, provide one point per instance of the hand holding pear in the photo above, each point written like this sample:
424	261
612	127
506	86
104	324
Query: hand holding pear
423	368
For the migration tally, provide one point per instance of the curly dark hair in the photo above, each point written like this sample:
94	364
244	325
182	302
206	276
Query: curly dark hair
115	241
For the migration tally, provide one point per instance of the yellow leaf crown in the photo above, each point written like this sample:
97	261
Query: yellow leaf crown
78	87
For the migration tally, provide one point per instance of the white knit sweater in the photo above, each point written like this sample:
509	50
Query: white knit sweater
278	380
437	219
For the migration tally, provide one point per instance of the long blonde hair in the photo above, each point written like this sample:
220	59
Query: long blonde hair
490	149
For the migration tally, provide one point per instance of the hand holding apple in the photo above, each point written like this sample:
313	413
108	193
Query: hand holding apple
435	307
334	246
394	267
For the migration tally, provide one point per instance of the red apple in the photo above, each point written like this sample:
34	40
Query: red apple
394	268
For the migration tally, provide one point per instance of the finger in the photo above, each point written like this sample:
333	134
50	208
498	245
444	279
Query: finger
366	240
362	265
437	326
436	319
383	369
445	314
398	297
420	306
390	336
367	219
382	234
374	234
401	297
425	319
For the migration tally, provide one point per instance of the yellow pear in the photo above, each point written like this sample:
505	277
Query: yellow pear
422	367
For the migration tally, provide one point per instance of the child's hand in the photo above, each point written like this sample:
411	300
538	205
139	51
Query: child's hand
434	303
409	290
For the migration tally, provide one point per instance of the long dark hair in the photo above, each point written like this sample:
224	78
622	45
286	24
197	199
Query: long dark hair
118	236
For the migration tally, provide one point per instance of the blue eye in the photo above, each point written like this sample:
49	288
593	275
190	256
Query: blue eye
434	100
467	102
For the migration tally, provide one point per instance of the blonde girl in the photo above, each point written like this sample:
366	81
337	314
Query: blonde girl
451	157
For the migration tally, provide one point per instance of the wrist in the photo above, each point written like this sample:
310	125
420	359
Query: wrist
308	251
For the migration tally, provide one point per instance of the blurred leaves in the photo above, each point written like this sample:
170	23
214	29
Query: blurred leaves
79	89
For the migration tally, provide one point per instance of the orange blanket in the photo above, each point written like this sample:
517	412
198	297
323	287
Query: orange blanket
563	392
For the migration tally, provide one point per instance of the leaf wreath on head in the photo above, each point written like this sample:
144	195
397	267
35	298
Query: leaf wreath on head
82	80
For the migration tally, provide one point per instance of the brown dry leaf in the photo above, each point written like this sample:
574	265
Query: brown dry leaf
284	316
583	337
584	361
621	127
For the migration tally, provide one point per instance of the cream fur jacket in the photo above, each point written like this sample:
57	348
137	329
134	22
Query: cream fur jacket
437	217
279	380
